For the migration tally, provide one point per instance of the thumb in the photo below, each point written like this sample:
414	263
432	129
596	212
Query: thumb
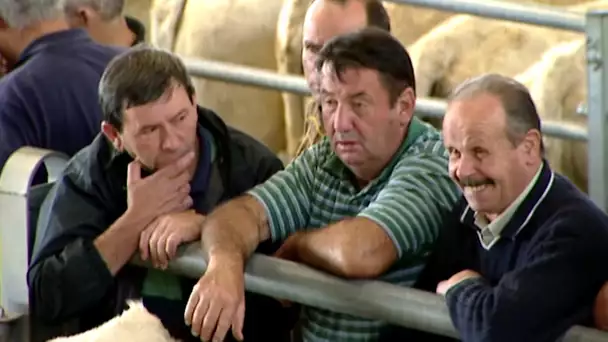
133	172
237	321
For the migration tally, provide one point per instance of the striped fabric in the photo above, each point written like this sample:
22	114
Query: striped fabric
407	200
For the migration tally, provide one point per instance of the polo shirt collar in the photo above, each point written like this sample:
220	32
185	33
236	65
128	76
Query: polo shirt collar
52	40
524	212
336	167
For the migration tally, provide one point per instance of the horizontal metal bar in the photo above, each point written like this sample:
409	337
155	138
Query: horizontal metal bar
425	107
370	299
511	11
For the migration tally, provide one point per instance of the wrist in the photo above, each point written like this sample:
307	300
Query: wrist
225	260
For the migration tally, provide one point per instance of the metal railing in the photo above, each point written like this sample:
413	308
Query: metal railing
593	24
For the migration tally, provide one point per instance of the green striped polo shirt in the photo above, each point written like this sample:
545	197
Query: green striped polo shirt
407	200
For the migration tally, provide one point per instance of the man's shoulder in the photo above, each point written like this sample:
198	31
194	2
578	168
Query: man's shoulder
566	207
88	165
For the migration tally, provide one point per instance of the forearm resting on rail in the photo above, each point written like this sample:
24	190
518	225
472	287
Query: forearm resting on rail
352	248
118	244
232	232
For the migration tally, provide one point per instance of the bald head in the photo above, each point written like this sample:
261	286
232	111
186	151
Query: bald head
326	19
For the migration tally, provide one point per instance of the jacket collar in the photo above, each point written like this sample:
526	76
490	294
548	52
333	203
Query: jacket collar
526	209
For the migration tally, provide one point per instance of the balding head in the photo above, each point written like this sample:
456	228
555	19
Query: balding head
326	19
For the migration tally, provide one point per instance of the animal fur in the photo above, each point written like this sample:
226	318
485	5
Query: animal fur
557	83
234	31
135	324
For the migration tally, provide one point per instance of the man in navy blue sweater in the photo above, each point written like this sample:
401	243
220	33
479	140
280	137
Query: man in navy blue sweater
49	99
523	255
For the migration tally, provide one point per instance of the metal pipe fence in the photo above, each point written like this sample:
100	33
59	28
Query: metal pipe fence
394	304
425	107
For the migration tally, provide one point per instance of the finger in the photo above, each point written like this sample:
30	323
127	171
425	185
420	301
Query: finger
238	321
144	239
191	305
171	247
199	315
177	168
153	245
133	172
161	249
223	323
210	320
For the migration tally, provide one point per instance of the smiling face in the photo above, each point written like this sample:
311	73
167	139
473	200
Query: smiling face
160	132
491	170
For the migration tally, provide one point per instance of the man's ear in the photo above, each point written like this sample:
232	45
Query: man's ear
113	135
406	104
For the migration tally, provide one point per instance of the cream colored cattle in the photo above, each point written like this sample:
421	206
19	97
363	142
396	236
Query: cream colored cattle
135	324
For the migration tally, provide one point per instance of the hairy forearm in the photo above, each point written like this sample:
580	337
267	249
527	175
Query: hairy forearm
118	244
232	232
353	248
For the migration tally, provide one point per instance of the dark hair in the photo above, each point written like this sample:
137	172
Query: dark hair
374	11
139	76
520	110
371	48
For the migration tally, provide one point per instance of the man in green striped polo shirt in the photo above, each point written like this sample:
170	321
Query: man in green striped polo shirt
366	201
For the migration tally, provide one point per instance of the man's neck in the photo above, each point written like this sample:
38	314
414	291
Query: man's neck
15	42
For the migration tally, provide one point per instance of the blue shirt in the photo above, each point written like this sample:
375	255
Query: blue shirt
50	99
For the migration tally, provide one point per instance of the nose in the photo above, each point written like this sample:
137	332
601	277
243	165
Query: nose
343	119
464	166
170	140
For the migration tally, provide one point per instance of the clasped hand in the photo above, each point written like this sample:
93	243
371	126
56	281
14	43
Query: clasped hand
160	239
159	202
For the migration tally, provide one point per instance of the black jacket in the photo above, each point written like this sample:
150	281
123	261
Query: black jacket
67	276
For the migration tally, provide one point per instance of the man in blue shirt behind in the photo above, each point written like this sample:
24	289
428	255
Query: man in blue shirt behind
49	99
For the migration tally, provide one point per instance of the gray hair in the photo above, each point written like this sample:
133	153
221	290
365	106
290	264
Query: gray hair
22	13
515	98
107	9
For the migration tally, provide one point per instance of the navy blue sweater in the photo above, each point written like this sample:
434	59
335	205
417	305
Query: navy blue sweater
538	280
50	99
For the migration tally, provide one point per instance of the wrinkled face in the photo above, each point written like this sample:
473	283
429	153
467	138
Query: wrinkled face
325	20
364	128
160	132
490	170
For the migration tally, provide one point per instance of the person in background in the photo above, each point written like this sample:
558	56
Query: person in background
144	185
104	21
49	98
364	202
324	20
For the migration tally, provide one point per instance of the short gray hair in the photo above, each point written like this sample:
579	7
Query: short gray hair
107	9
22	13
515	99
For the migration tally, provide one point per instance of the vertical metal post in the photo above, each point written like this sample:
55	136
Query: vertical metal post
597	96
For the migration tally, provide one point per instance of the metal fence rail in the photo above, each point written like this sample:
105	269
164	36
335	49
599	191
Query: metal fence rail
425	107
370	299
503	10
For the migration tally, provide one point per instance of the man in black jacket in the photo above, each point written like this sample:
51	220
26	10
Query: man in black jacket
144	185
